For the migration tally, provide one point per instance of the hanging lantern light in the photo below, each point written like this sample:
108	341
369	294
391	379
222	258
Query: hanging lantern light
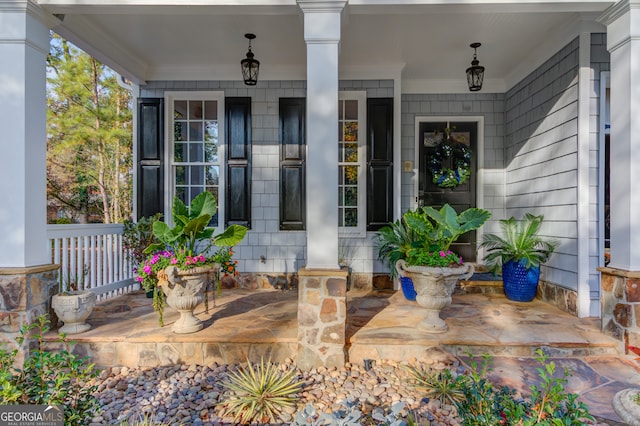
475	73
250	67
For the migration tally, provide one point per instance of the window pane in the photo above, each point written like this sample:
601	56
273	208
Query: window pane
197	175
210	110
210	153
340	196
351	196
211	131
180	110
181	193
195	110
340	109
351	175
180	175
351	131
195	132
195	152
213	175
180	131
194	191
351	152
180	152
350	217
351	110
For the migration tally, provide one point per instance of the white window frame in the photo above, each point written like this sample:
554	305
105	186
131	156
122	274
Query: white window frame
361	97
170	180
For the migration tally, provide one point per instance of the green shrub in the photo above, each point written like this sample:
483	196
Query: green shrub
548	405
49	378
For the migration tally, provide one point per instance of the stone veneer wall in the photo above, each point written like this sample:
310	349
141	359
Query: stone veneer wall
322	318
25	294
562	298
620	302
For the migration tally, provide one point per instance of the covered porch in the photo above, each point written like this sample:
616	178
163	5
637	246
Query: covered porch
250	324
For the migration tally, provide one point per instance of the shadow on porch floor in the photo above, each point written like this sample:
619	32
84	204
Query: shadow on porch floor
381	325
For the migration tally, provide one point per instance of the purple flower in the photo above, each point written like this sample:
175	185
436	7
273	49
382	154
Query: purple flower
147	269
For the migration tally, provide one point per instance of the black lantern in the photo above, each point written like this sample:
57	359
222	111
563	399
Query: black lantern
475	73
250	67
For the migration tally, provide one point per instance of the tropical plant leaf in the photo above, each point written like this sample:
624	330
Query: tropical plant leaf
231	236
203	204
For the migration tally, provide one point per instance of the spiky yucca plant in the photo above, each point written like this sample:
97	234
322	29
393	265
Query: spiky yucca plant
520	242
438	384
258	393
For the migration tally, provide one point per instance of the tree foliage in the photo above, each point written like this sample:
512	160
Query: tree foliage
89	137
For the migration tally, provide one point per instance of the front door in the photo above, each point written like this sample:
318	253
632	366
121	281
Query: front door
456	189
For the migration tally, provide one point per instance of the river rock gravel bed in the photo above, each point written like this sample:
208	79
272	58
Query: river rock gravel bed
191	394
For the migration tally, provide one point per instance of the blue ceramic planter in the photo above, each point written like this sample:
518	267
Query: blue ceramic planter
408	289
520	283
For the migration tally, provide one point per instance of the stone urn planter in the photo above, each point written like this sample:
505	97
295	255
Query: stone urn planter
73	308
185	289
626	407
434	287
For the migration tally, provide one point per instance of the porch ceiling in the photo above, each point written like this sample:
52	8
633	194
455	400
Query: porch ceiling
423	42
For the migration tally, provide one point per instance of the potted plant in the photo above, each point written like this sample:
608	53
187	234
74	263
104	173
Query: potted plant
73	305
136	237
181	265
393	242
519	253
431	265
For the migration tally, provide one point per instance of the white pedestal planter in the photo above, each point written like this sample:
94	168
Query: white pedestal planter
185	290
434	287
626	407
73	308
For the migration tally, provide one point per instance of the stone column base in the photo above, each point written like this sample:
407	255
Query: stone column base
25	294
322	315
620	303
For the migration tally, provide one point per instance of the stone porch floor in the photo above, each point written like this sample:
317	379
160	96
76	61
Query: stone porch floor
381	326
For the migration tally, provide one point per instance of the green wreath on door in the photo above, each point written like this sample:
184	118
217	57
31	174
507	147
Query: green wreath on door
460	171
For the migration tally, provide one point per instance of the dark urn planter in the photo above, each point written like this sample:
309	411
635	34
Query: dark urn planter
520	283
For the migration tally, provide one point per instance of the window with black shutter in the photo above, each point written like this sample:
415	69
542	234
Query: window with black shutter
379	162
238	193
150	173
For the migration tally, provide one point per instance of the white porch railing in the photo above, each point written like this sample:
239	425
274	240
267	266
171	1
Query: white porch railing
93	258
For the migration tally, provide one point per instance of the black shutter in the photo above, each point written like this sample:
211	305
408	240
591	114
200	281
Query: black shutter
292	164
150	166
238	137
379	162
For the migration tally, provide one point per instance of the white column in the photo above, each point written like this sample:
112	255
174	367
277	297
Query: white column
322	35
24	44
623	42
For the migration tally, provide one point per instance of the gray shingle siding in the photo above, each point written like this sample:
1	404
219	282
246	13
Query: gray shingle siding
540	156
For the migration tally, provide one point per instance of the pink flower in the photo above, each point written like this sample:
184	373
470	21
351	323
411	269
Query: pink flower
174	260
139	279
202	259
147	269
442	254
155	259
187	262
449	252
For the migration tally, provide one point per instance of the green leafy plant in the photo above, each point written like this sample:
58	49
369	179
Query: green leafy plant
519	242
258	393
49	377
548	405
437	229
186	245
393	242
437	384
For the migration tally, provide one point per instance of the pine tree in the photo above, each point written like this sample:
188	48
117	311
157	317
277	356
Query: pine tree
89	137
